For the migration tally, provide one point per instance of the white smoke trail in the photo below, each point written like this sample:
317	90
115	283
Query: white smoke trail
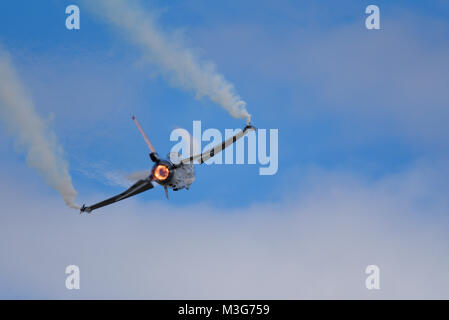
19	116
177	63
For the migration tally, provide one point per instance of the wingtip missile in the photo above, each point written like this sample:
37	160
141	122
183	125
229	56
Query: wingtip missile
85	209
249	126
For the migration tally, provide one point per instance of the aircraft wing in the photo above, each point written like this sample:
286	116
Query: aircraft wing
218	148
138	187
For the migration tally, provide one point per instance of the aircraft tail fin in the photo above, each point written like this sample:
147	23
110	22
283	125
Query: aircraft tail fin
145	137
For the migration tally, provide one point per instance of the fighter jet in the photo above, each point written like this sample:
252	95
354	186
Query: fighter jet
174	173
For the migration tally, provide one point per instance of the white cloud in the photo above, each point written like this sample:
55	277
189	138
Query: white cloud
315	243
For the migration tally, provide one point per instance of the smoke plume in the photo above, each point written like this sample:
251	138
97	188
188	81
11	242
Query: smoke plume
19	116
176	63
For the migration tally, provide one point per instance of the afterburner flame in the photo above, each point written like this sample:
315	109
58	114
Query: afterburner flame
161	172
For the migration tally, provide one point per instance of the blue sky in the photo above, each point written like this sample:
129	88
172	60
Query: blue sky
360	111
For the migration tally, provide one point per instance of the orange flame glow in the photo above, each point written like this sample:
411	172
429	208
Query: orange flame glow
161	172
